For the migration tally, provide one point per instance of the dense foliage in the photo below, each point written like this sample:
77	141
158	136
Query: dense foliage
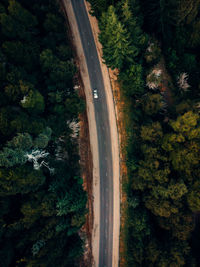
179	31
164	135
41	197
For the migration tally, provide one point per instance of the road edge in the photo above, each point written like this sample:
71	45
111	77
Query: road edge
92	127
114	138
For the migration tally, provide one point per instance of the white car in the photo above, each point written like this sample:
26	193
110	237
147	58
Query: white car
95	93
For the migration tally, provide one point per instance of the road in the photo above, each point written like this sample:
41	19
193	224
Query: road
103	132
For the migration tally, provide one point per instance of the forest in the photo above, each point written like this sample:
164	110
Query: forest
42	202
155	45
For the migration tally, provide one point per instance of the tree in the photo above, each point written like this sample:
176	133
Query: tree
13	93
20	180
41	141
60	72
34	101
132	80
52	23
194	40
160	207
35	60
183	144
187	124
16	90
179	225
21	14
10	157
18	23
64	52
21	53
139	222
99	6
21	141
117	47
152	104
132	23
174	191
184	11
5	121
152	251
193	198
71	203
152	132
74	105
150	171
47	60
14	51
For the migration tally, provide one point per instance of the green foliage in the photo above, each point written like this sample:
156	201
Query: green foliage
60	72
132	23
18	23
183	144
132	80
10	157
117	48
70	203
193	197
41	141
21	141
36	101
99	6
20	180
166	175
152	104
47	59
152	132
64	52
194	40
52	22
163	138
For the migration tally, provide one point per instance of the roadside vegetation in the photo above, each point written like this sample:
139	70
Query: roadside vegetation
155	45
42	203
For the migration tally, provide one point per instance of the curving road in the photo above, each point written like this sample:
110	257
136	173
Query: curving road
103	132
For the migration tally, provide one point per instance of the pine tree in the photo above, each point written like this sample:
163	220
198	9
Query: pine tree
117	47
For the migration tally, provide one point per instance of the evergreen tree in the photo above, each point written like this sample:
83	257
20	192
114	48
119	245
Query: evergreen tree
117	48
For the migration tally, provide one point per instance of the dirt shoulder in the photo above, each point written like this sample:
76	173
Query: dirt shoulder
121	105
86	171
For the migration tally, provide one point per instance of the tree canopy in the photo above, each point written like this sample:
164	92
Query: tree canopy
41	196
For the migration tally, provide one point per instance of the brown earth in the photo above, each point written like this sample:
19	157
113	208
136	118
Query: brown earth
86	171
121	104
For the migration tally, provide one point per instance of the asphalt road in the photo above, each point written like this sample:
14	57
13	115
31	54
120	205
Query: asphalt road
103	132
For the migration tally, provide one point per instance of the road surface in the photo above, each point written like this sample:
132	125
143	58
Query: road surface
103	132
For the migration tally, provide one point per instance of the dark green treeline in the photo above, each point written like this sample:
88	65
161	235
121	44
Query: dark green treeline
164	134
42	203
